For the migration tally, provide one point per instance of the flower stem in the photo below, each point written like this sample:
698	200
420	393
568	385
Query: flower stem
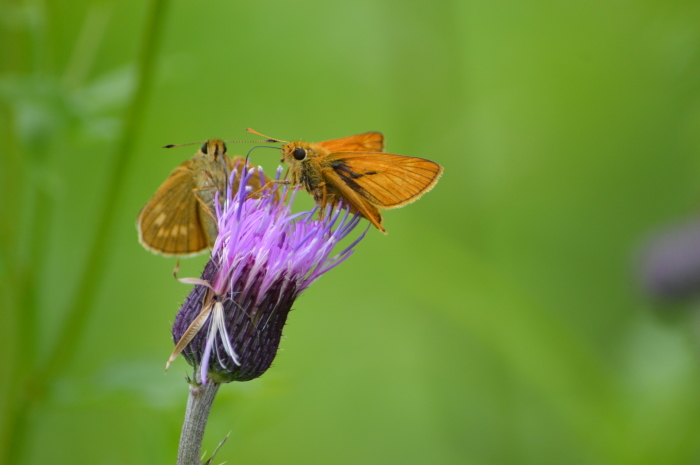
198	407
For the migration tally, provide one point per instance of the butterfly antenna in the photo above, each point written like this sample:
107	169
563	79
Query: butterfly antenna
180	145
267	138
227	141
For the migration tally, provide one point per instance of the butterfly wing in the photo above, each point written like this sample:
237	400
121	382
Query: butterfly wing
257	182
351	196
385	180
169	223
367	142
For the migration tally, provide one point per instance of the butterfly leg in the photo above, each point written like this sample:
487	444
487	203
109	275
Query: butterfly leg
204	203
268	185
321	198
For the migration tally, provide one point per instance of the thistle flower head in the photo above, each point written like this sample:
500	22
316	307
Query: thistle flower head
669	261
231	323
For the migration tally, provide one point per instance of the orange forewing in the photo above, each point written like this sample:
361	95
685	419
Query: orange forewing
384	179
367	142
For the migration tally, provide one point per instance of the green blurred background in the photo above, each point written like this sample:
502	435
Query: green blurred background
500	320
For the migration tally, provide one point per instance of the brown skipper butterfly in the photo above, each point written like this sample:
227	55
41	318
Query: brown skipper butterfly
179	219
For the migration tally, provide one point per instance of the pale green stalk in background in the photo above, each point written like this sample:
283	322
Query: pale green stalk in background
35	379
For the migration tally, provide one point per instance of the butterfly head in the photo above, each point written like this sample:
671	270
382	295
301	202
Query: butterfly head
215	148
296	152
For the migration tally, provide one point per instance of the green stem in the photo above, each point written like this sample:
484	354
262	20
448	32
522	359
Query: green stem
198	406
74	324
96	263
27	315
22	263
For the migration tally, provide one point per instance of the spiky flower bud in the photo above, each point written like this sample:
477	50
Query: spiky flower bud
231	323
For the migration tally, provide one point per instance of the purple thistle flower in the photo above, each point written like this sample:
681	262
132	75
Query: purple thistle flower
231	323
669	261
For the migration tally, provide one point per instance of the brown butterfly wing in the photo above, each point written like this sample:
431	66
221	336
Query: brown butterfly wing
385	180
237	163
351	196
367	142
169	224
256	182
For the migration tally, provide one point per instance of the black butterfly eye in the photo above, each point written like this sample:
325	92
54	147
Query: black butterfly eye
299	153
225	149
204	148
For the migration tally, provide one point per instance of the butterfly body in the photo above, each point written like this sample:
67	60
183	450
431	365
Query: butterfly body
210	172
356	170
